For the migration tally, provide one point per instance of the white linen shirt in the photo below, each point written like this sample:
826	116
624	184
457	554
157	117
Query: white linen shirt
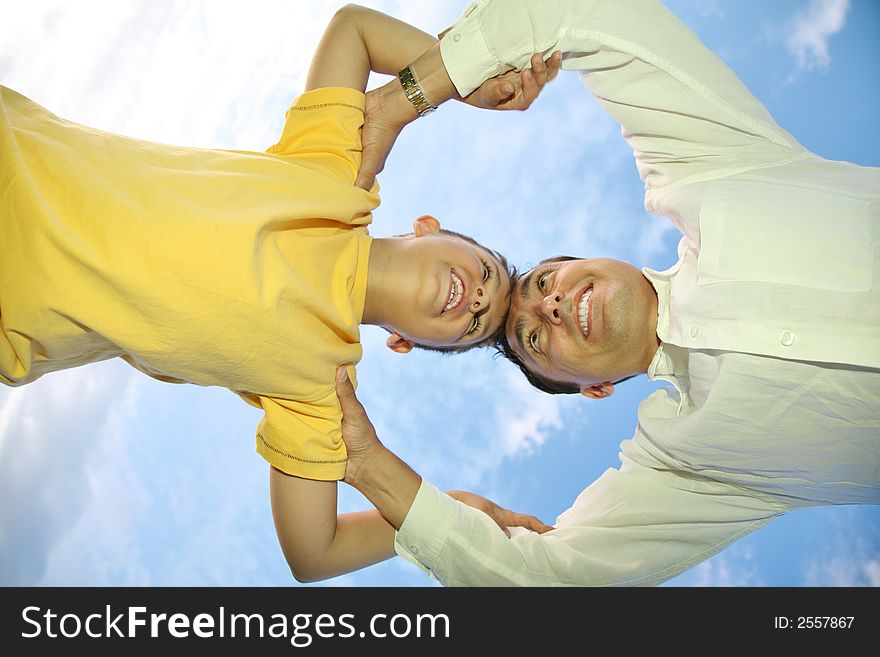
769	322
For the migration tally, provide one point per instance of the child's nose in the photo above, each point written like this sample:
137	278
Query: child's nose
479	300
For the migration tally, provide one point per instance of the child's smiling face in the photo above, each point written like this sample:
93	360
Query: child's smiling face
454	293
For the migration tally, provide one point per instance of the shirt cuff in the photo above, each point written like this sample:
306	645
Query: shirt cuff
465	54
424	530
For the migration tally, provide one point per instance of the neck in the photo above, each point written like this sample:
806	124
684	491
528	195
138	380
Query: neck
379	297
653	342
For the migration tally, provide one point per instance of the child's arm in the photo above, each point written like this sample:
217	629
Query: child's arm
359	40
316	542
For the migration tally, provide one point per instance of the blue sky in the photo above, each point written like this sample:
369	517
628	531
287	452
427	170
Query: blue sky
110	478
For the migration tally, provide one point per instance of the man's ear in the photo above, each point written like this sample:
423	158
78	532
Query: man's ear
398	344
598	390
425	225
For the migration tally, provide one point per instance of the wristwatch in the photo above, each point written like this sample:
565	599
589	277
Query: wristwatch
414	92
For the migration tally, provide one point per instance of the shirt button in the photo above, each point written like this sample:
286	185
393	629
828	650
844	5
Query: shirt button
786	338
413	549
456	38
695	331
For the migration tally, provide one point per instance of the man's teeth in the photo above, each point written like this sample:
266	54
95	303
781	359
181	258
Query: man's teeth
455	292
584	311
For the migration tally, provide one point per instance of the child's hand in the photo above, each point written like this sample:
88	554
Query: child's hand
385	115
387	111
504	518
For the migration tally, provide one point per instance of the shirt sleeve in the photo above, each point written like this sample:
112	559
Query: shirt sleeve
632	527
302	438
323	127
684	112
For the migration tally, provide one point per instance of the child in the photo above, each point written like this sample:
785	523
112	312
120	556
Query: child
250	271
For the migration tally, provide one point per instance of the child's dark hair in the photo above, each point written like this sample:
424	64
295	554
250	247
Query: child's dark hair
486	340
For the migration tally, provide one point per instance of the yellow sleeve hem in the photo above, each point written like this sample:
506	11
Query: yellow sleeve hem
300	467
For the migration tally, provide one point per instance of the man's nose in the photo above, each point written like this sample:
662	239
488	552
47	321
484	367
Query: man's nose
549	308
479	299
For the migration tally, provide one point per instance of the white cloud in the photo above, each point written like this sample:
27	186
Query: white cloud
710	8
811	28
456	419
527	419
653	237
734	567
52	431
846	561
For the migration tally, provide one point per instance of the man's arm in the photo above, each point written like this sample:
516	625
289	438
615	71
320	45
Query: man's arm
684	112
636	526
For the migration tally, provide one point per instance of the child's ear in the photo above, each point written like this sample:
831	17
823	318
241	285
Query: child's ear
598	390
425	225
398	344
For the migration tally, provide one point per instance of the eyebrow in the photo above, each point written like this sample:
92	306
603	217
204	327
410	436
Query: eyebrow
519	328
526	281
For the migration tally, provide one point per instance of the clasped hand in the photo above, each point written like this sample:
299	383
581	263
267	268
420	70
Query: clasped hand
363	445
384	118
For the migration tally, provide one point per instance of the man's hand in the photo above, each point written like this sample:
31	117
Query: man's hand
516	90
387	110
504	518
358	432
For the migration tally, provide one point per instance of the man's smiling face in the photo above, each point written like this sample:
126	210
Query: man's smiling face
586	322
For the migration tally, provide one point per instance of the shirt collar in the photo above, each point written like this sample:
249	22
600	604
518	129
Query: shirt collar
669	362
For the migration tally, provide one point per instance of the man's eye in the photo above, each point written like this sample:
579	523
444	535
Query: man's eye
533	341
542	282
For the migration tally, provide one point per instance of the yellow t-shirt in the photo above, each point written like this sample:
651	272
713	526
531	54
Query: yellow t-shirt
245	270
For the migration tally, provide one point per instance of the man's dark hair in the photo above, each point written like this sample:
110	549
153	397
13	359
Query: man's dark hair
490	339
503	348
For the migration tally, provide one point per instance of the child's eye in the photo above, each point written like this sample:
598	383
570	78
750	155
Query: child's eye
487	271
475	325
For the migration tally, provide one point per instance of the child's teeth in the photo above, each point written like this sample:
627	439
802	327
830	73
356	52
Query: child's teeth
455	292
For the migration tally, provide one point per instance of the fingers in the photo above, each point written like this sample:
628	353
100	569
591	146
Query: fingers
345	391
529	89
536	525
532	523
504	90
554	64
371	166
365	180
497	91
534	79
501	518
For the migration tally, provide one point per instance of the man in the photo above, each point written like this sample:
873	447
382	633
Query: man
767	329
